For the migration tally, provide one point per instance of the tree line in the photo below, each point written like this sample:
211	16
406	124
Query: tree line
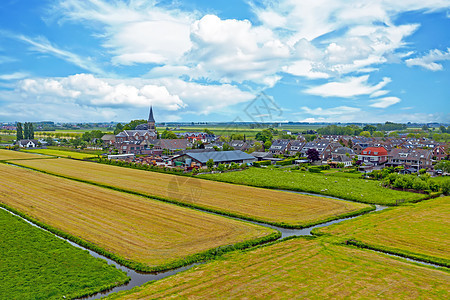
25	132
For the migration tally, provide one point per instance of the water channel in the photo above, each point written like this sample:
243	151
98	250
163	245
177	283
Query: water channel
140	278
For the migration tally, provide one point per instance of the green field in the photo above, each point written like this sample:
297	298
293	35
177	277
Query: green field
301	268
419	230
7	138
62	153
34	264
367	191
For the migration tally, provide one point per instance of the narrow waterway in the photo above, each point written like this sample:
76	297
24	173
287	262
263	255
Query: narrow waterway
140	278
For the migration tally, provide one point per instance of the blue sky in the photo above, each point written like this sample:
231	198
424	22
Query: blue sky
318	60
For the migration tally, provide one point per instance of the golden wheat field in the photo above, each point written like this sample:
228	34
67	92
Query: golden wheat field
301	269
135	228
10	154
257	203
420	230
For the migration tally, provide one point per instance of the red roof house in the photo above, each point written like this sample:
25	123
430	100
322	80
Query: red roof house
374	155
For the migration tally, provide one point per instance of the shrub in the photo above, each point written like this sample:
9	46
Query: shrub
314	169
445	186
286	162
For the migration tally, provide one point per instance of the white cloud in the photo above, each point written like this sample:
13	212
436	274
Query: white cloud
134	31
14	76
384	102
429	61
348	87
334	111
41	44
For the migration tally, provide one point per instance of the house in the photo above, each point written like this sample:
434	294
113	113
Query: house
262	155
197	137
239	145
374	155
410	158
343	155
295	147
171	144
109	139
279	146
218	145
439	152
27	143
322	146
200	159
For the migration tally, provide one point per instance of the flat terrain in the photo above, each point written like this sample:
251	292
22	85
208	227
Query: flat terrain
134	228
37	265
10	154
367	191
419	230
62	153
282	208
301	268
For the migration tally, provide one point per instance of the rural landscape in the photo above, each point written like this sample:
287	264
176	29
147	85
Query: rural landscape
236	150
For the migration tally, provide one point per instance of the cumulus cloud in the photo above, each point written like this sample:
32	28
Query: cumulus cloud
134	31
385	102
349	87
429	61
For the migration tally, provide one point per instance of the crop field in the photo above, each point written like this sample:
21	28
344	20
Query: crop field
276	207
418	230
11	155
7	138
142	233
367	191
37	265
62	153
301	268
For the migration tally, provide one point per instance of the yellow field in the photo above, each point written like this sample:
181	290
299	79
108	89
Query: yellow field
10	154
62	153
419	230
135	228
297	269
255	203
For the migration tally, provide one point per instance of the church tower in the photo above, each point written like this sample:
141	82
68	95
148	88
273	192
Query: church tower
151	120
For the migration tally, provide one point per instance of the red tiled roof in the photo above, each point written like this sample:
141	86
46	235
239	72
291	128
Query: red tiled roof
375	151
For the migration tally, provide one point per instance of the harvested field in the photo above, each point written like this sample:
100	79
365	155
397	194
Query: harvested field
10	154
301	268
150	233
275	207
37	265
416	230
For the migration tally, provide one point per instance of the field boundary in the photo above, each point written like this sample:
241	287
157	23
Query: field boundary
206	209
198	257
399	252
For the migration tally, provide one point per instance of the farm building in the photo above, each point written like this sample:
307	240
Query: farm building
218	157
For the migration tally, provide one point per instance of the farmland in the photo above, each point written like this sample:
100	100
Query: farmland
37	265
11	155
275	207
301	268
416	230
62	153
360	190
136	231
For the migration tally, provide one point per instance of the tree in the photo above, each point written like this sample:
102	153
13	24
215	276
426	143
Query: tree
206	130
312	154
265	135
369	128
31	130
393	134
377	134
267	145
443	165
425	127
26	131
118	129
442	129
19	131
365	134
132	125
210	163
168	135
227	147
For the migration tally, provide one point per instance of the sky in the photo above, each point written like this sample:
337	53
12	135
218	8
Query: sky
221	61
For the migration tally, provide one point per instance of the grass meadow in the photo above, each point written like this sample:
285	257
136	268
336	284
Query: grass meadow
274	207
139	232
300	268
418	230
37	265
62	153
366	191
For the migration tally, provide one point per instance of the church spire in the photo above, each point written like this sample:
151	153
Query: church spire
151	120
